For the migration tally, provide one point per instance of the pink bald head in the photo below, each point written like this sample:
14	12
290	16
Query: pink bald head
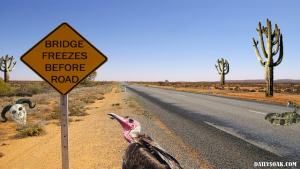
131	128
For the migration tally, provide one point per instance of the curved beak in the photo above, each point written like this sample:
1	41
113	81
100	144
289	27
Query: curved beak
121	120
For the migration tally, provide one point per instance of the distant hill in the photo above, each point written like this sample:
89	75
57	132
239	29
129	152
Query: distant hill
245	81
287	81
263	81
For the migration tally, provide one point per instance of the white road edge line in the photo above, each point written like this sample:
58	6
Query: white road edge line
258	112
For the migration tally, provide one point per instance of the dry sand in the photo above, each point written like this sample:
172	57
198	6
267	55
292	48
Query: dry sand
95	143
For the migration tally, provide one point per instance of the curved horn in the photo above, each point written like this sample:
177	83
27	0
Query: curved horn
21	101
4	111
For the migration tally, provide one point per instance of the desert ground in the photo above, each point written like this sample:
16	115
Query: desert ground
95	141
283	92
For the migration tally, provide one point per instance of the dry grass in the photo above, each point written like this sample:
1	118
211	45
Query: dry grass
77	110
5	88
30	130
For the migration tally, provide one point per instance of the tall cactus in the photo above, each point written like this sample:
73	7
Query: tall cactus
222	67
7	64
274	41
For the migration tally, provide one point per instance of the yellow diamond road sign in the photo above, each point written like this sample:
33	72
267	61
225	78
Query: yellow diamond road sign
63	58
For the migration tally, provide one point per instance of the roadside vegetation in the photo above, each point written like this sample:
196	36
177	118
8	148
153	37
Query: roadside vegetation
23	89
30	130
47	105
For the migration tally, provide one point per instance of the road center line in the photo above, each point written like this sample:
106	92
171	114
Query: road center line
258	112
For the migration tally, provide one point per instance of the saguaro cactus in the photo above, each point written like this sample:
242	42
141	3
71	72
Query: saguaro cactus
274	45
222	67
7	64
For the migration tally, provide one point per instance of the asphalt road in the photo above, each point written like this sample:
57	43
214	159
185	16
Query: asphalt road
229	133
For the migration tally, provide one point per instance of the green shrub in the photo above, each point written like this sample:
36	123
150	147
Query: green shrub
88	99
5	89
29	90
89	80
30	130
55	113
53	116
76	110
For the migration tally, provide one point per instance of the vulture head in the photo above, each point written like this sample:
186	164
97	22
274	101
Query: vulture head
131	127
17	111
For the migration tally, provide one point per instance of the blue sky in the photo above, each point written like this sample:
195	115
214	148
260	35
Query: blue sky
152	40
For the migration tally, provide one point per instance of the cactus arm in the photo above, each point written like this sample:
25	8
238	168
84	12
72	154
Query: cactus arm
260	59
276	34
226	62
225	70
7	63
276	50
220	66
12	66
218	69
1	63
2	66
261	38
226	67
280	57
276	42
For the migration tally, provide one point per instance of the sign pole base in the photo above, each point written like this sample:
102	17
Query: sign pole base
64	131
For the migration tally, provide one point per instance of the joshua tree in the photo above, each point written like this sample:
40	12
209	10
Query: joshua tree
7	64
222	68
274	45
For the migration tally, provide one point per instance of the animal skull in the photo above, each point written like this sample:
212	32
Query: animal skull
17	111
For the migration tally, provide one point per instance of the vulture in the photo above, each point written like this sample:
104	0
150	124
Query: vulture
142	152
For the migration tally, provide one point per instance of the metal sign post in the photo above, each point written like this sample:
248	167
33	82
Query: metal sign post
64	131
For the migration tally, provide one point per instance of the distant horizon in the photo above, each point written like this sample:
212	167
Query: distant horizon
228	80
